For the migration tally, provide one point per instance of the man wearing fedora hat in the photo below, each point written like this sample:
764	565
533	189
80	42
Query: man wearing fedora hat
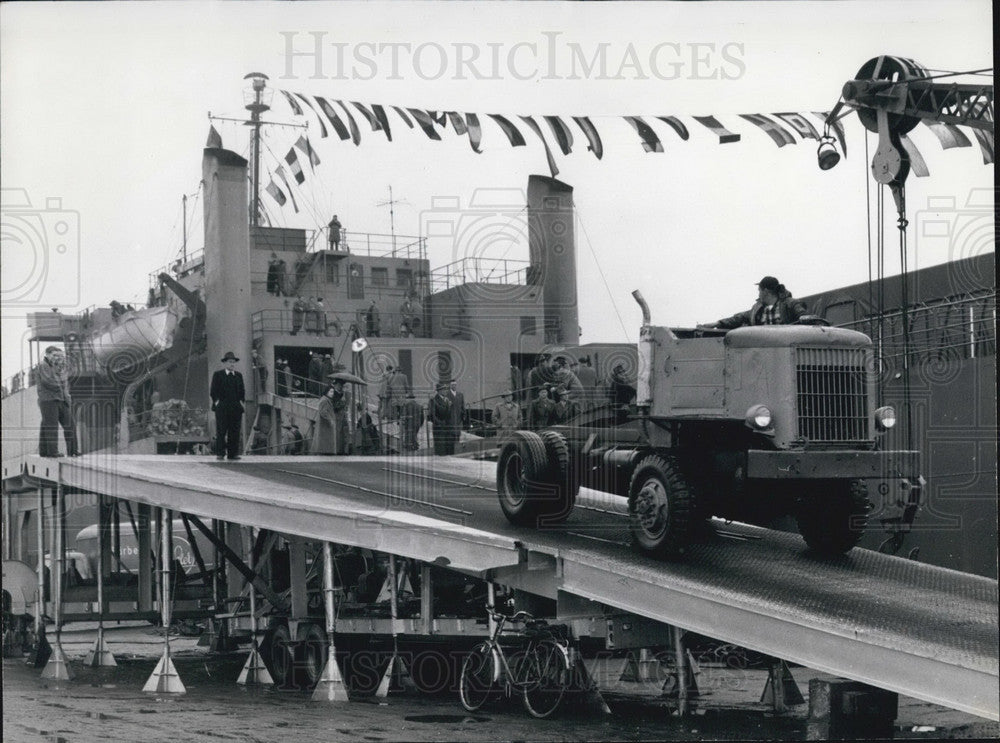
774	306
228	395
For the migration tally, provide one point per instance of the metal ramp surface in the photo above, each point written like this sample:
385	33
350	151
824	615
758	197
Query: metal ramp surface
920	630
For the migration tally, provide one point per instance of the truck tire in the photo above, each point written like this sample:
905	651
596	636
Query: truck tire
832	523
660	507
563	479
523	478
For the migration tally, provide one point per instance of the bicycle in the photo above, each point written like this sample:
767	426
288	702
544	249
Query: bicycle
541	672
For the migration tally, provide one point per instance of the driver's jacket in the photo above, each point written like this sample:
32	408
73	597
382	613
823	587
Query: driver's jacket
787	309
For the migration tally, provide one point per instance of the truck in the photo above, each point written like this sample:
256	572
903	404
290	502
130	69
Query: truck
746	424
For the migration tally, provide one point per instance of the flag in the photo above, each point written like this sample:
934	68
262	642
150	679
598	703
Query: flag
948	135
917	164
441	119
296	108
276	193
457	122
985	140
374	123
355	132
800	124
548	153
677	125
331	114
561	132
403	116
475	132
293	163
725	136
777	134
214	138
425	121
650	142
383	121
515	137
280	172
322	126
590	132
303	144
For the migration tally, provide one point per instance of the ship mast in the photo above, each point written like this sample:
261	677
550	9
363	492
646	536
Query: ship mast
256	106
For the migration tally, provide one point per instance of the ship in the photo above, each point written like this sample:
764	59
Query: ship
369	302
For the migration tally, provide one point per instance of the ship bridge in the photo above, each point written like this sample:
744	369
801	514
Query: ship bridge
889	622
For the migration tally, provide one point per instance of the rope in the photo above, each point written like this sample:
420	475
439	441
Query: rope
604	278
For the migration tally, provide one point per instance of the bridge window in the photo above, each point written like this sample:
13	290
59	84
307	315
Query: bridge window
404	278
380	277
332	272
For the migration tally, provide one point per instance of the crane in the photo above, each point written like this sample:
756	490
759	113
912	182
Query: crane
891	96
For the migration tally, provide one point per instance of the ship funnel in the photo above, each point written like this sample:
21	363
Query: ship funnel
552	254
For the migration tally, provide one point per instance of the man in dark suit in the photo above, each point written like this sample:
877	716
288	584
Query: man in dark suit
228	395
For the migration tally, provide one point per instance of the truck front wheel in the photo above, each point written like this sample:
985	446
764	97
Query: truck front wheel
660	507
832	522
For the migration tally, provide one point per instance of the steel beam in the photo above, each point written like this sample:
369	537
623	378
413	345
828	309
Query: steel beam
786	637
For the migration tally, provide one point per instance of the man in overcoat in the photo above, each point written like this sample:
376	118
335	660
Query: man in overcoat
228	395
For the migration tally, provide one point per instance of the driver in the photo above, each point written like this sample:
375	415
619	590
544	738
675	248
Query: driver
774	306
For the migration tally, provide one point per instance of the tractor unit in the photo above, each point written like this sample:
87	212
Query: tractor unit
748	424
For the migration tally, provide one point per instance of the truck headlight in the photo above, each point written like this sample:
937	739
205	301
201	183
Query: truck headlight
885	417
758	417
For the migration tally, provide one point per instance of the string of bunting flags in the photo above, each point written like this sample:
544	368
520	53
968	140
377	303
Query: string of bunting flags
342	119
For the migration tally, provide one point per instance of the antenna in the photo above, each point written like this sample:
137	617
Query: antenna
392	216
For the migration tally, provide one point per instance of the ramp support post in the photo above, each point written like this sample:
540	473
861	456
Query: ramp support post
99	655
780	691
57	667
682	671
254	671
330	687
164	679
396	676
40	654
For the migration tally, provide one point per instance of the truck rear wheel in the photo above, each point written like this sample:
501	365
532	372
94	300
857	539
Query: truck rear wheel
523	478
660	507
561	477
833	522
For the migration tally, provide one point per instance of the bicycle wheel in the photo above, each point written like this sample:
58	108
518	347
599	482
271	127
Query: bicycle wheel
545	675
479	674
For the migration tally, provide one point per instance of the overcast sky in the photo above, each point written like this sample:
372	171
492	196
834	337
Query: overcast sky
104	107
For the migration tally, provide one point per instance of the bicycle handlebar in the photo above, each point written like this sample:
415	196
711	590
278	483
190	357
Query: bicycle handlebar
520	616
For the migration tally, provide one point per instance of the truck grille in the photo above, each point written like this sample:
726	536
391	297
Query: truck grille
831	393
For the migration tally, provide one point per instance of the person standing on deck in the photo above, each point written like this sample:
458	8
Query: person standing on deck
228	395
55	404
